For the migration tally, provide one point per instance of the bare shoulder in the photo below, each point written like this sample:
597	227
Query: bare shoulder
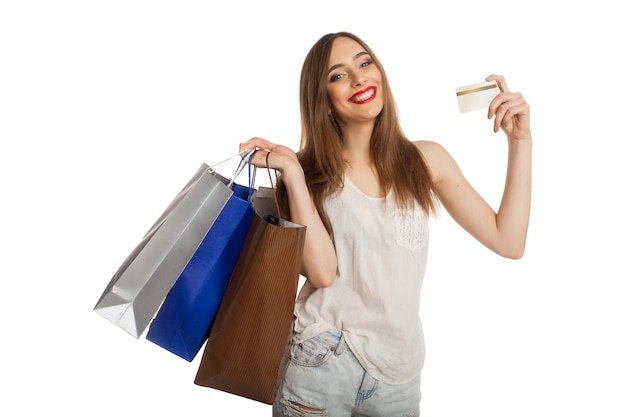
439	161
429	148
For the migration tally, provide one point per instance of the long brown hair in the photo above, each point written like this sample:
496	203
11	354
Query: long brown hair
398	163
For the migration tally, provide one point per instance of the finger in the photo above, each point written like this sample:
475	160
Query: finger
501	99
510	109
255	159
501	113
499	79
516	101
517	108
252	143
256	143
261	158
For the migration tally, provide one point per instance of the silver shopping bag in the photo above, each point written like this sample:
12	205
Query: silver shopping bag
142	282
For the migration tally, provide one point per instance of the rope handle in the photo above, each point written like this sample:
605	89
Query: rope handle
246	157
267	165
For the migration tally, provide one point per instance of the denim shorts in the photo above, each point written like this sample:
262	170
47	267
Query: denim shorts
324	378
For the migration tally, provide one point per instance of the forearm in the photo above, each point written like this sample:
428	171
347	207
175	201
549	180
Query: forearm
514	213
319	263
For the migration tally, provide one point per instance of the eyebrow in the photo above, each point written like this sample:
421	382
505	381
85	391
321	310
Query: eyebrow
334	67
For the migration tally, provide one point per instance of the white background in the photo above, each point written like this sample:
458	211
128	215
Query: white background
108	107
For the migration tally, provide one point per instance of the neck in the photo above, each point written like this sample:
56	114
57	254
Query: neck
356	143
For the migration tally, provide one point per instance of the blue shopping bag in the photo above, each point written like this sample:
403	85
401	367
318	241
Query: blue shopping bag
184	320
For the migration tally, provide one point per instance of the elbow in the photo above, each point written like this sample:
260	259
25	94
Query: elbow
324	283
321	277
320	270
514	255
323	280
512	252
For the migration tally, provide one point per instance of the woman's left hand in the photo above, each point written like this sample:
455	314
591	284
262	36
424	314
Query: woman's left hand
511	111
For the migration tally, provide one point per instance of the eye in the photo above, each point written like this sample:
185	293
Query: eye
366	63
336	77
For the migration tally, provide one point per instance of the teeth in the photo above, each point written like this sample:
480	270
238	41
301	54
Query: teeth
364	96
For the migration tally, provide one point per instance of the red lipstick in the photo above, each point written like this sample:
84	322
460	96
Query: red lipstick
363	96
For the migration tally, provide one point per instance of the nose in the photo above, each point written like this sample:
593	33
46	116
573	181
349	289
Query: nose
359	80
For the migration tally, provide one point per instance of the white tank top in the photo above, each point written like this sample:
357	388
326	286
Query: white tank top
375	298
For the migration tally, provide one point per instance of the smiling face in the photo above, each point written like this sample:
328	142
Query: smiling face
354	83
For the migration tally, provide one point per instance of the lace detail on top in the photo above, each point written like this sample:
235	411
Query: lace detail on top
412	230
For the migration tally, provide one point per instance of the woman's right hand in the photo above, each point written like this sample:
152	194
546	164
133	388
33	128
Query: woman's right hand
271	155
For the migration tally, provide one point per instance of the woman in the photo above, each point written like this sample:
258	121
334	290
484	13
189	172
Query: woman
365	192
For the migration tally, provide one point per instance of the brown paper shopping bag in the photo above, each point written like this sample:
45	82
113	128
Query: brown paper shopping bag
246	351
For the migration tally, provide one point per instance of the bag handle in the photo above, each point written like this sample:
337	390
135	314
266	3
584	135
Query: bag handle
246	156
211	168
251	180
251	174
269	172
245	159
